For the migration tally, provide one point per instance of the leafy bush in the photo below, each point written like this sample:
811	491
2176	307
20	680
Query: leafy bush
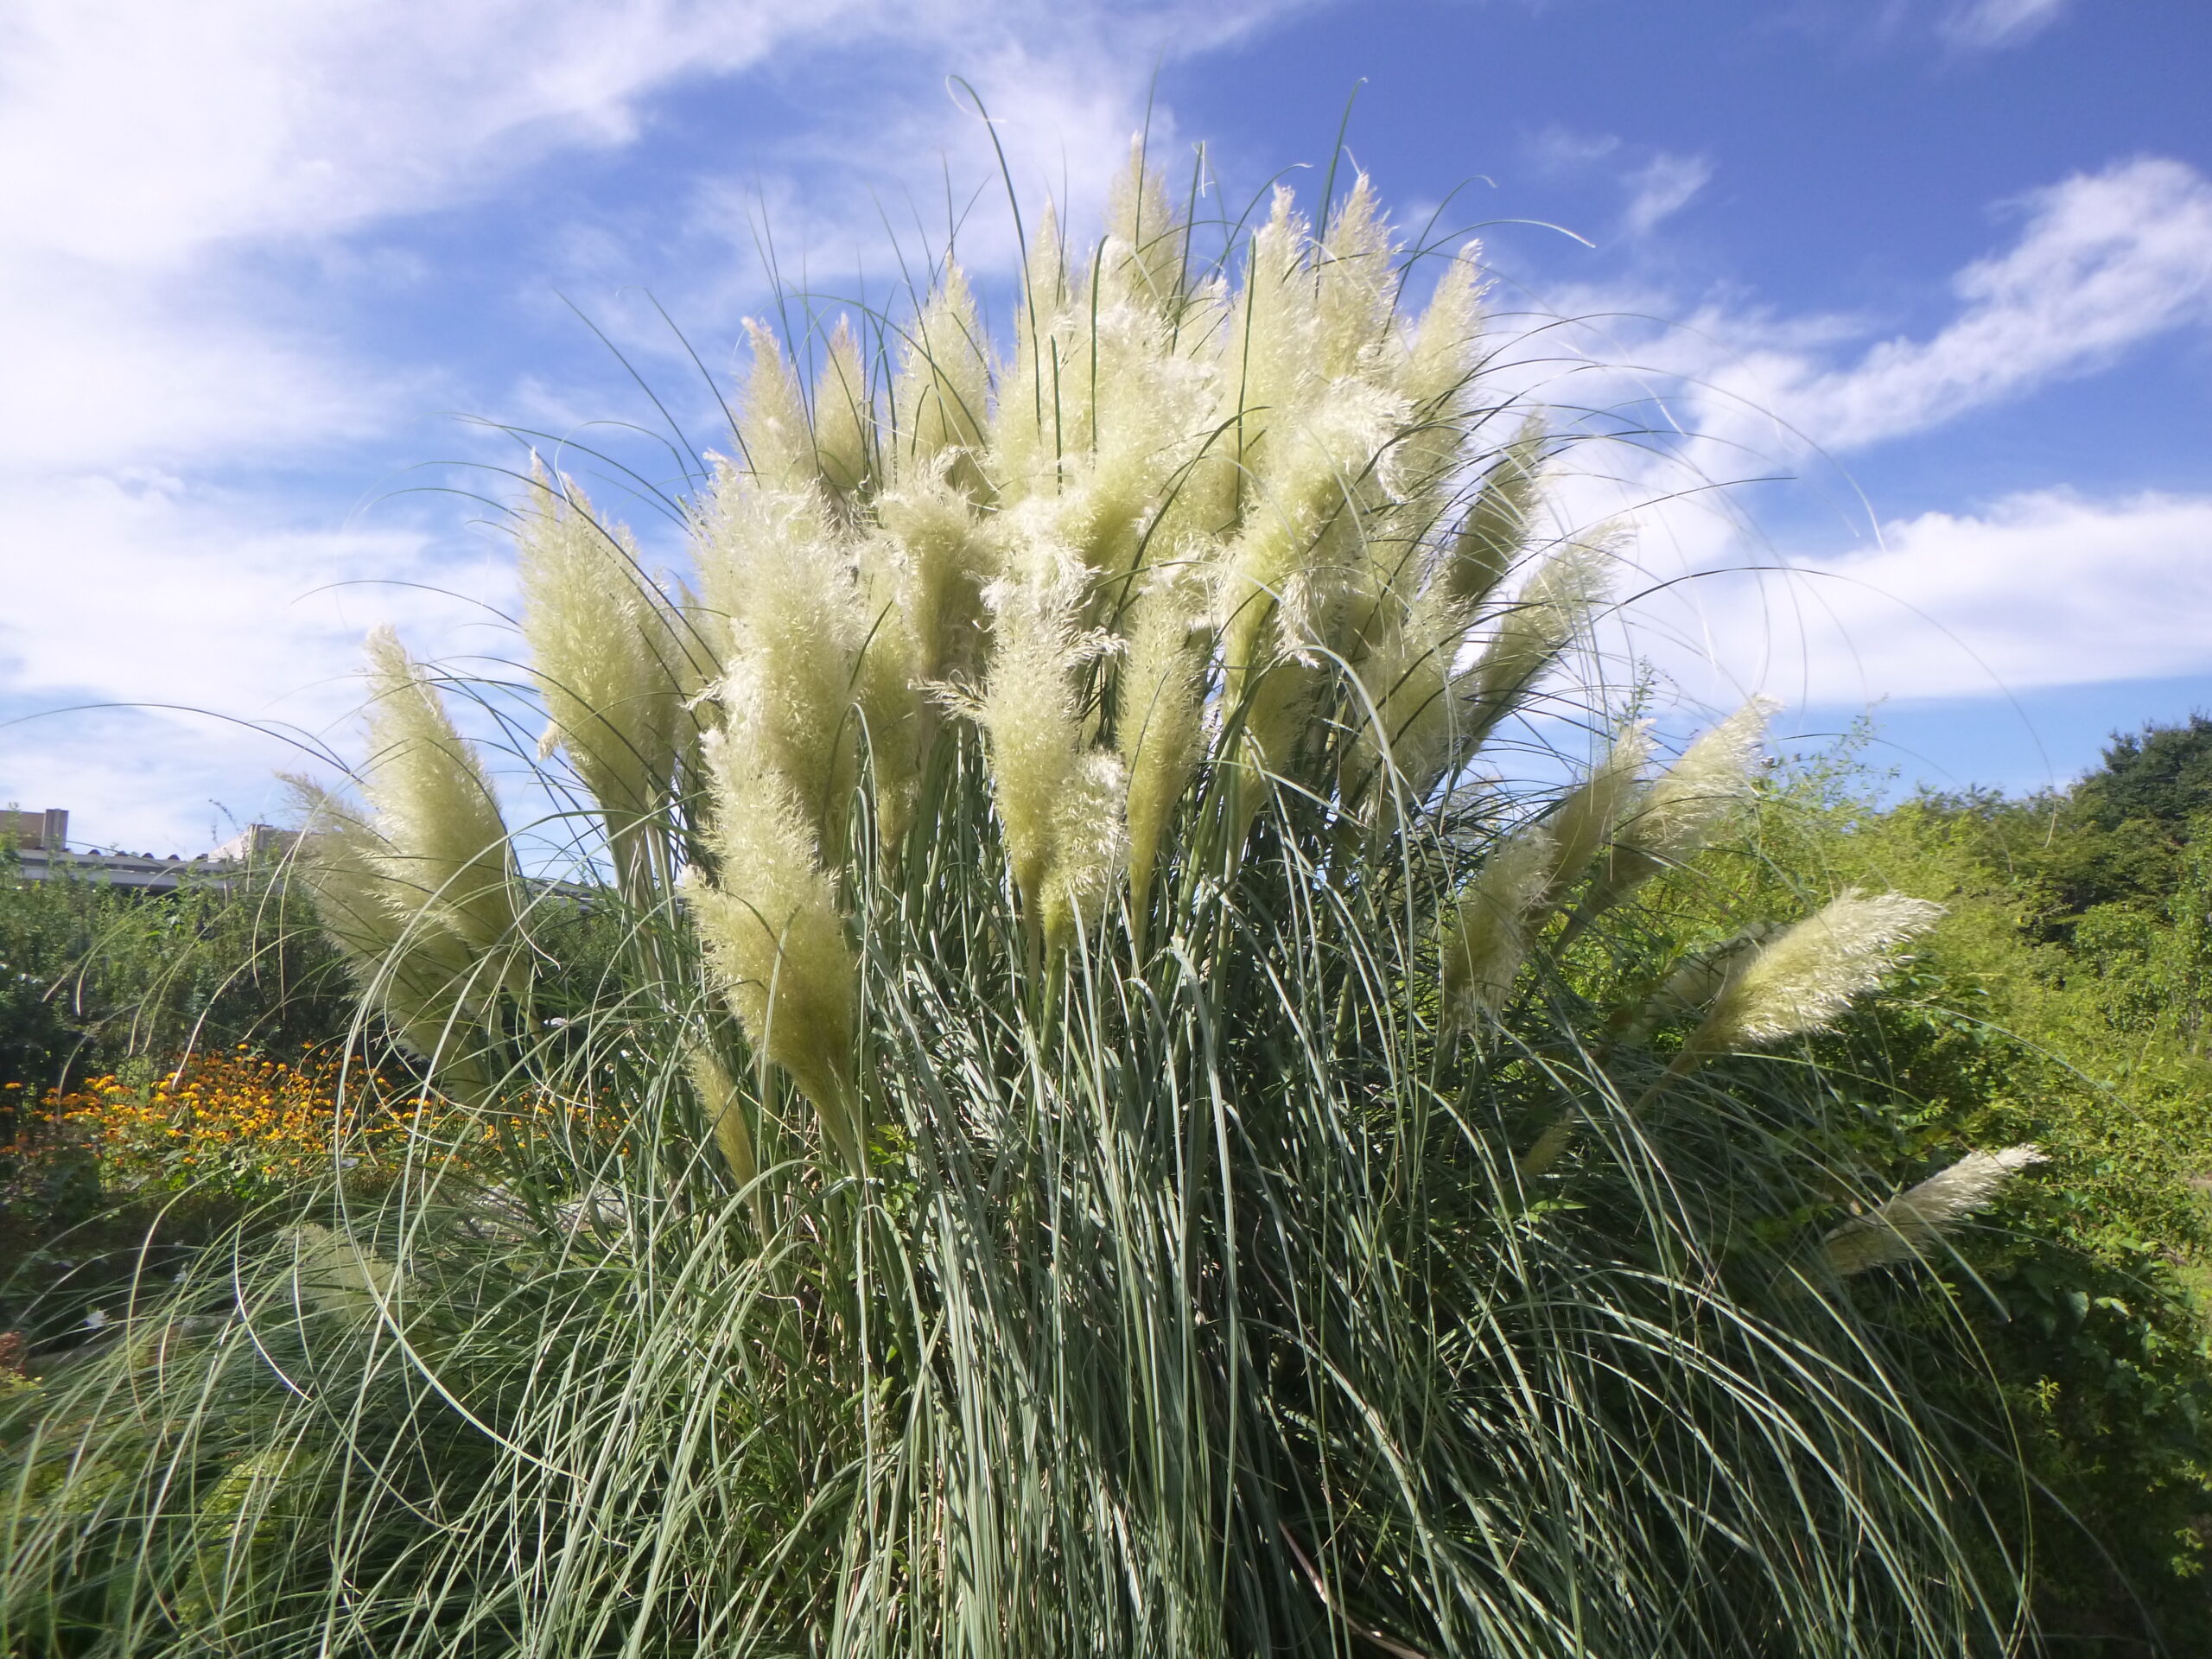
2051	1009
93	978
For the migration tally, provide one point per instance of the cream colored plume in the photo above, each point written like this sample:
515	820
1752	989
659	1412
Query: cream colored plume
1497	527
1585	819
1909	1224
1804	976
945	558
1695	981
775	942
1148	239
436	818
336	1275
800	623
1059	803
1488	939
1409	716
1550	611
844	414
1296	558
941	397
1159	722
1355	283
895	717
726	1111
413	970
1715	779
1274	336
610	659
1033	425
1437	379
779	450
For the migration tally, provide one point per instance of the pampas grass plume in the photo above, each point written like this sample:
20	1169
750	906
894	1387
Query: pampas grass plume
1487	941
1159	728
1804	976
1586	820
775	941
1693	798
844	414
1907	1225
1495	528
605	651
725	1109
435	814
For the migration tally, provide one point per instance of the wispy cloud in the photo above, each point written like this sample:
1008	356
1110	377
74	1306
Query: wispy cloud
2047	588
2044	588
2105	262
160	160
1661	187
2102	264
1984	25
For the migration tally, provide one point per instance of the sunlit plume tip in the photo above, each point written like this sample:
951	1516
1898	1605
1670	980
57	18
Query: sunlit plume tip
1800	980
1907	1226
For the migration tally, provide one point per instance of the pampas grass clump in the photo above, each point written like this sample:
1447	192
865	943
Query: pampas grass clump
1062	1145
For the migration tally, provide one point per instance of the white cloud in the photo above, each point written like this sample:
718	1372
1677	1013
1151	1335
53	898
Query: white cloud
2044	588
144	590
2106	261
2103	264
1664	187
159	160
1988	24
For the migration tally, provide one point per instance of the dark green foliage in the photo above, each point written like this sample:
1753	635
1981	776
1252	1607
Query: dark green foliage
105	980
2058	1002
96	975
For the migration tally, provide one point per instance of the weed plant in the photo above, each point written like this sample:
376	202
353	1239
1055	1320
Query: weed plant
1109	1128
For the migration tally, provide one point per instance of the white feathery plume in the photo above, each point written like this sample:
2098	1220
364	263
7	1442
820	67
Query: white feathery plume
1089	846
334	1275
1058	804
1272	340
1148	238
778	441
774	939
1586	818
1159	721
888	687
1408	716
1356	281
1695	981
1035	417
1299	545
1801	979
1437	380
944	556
1488	939
726	1111
942	393
1551	610
797	637
1714	779
1438	365
1496	527
412	968
604	653
435	814
1907	1226
844	414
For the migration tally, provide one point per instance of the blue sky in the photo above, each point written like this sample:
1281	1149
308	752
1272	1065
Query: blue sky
1945	265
